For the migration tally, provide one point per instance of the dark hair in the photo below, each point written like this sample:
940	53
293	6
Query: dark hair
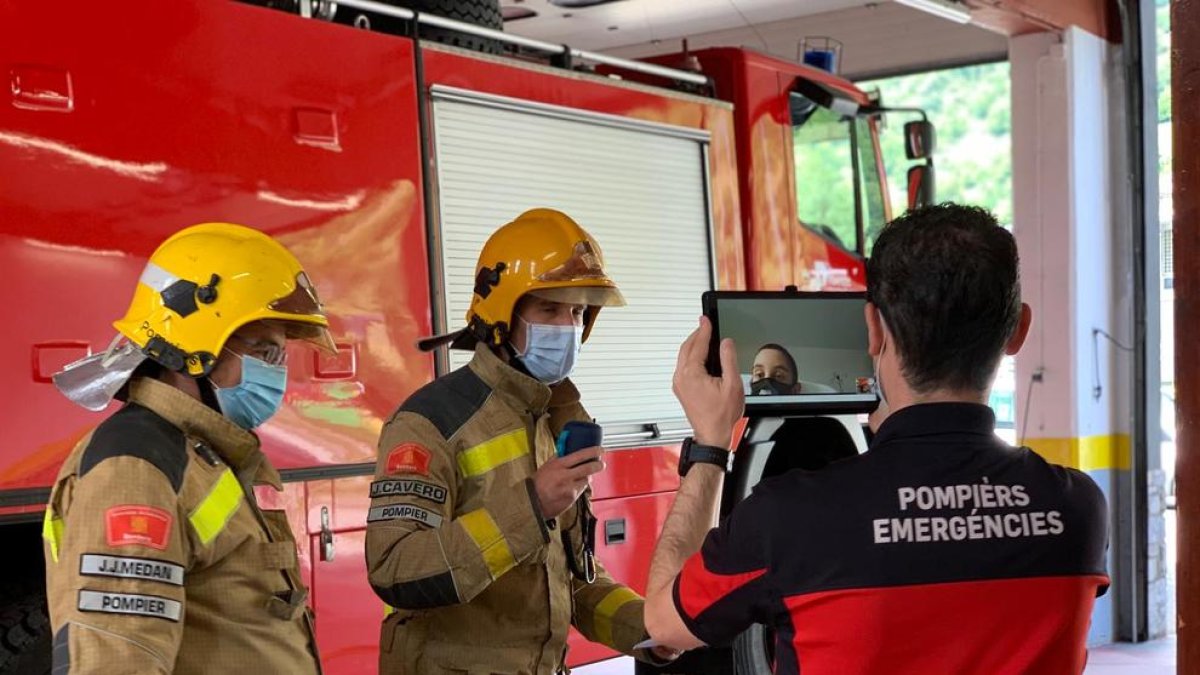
786	354
946	280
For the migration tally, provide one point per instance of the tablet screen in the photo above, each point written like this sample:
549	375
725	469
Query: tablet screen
798	349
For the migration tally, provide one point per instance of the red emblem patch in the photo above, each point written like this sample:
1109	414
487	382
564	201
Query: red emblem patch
137	525
408	458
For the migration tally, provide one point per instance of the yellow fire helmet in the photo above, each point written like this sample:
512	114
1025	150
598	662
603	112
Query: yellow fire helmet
543	252
207	281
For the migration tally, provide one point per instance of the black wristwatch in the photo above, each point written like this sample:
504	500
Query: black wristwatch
694	453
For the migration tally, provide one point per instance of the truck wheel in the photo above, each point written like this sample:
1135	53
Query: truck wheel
25	636
754	651
485	13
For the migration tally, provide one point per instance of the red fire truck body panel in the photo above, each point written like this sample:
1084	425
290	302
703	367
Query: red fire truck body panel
122	129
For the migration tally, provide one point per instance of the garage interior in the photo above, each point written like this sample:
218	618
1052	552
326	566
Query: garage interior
1074	121
1123	420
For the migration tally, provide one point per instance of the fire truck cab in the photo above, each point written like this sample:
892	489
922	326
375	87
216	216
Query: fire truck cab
383	162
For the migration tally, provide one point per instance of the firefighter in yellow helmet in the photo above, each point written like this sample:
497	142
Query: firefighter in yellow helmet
478	535
158	557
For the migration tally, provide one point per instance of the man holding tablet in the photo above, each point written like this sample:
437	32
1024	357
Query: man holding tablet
941	549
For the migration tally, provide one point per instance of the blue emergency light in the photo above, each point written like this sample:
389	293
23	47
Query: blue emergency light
821	52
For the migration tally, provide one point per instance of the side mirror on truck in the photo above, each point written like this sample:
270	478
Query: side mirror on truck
921	189
920	139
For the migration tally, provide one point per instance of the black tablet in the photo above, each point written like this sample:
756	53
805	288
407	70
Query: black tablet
798	352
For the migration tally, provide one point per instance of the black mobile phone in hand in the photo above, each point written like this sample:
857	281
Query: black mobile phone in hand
577	435
708	305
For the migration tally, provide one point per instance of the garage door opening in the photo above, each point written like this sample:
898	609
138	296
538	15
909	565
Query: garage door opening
971	107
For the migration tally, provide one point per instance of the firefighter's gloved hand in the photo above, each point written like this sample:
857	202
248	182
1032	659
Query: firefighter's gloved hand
562	480
713	405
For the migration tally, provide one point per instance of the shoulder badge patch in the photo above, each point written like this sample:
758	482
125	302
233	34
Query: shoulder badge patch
408	458
137	525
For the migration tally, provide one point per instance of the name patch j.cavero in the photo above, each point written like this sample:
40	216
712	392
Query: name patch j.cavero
403	487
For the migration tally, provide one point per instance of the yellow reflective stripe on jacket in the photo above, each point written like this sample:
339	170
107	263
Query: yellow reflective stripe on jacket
52	532
490	540
210	517
490	454
607	608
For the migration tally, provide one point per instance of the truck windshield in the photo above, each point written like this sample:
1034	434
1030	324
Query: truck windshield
838	189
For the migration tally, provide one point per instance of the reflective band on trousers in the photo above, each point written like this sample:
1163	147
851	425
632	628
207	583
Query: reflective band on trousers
607	608
211	516
490	454
52	532
490	541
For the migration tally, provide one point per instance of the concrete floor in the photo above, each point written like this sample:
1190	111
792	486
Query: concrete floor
1150	658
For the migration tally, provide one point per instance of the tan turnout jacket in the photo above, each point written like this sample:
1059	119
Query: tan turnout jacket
456	543
158	558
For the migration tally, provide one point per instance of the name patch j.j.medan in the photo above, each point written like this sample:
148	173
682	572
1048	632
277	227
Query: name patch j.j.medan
96	565
403	487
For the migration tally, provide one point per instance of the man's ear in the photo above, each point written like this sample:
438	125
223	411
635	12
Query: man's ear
874	329
1018	337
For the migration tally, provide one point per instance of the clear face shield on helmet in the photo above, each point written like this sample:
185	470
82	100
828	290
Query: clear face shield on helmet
303	301
93	381
581	280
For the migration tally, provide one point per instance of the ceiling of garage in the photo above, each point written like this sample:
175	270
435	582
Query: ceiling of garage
879	37
627	22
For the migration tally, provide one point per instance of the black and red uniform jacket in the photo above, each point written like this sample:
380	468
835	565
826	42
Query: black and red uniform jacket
940	550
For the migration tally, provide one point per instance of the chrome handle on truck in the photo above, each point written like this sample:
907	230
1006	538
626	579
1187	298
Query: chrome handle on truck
650	432
327	550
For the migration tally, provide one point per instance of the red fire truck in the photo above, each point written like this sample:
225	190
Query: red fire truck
383	161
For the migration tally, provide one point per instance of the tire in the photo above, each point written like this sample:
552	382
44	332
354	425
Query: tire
25	636
754	651
485	13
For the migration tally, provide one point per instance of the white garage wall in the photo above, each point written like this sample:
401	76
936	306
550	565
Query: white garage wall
879	40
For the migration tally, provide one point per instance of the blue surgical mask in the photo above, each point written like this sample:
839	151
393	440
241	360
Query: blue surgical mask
551	351
258	397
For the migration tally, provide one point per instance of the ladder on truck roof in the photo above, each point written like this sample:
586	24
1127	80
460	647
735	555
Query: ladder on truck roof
565	52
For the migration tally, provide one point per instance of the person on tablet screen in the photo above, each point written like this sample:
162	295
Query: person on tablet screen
774	372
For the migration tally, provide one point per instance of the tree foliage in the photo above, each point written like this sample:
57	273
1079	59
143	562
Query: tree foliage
971	109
